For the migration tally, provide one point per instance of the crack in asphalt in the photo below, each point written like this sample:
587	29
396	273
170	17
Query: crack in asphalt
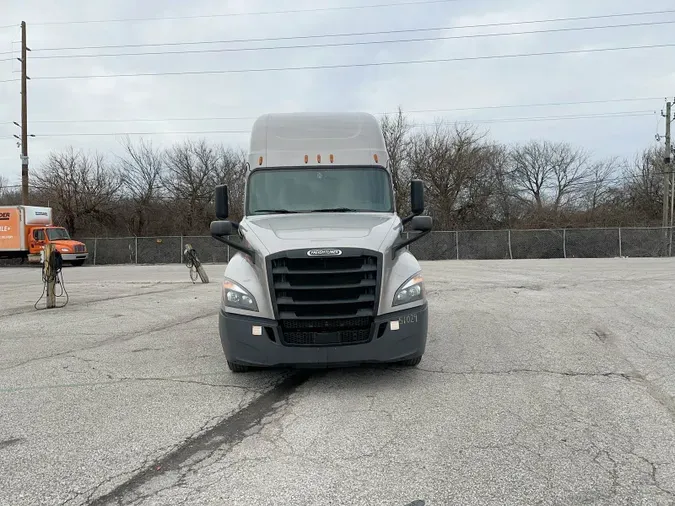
103	299
572	374
229	431
131	379
117	339
147	462
11	442
658	395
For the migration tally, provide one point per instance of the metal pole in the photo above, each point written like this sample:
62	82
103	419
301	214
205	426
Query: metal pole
564	243
24	117
672	203
457	243
50	274
620	247
666	170
510	251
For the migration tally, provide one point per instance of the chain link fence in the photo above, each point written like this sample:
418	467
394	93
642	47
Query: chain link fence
438	245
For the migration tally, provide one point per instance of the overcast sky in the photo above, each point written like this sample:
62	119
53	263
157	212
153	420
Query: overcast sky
68	110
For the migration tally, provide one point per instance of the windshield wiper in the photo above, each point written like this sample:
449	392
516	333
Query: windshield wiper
275	211
336	210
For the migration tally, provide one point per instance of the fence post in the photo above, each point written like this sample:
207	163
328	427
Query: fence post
457	243
180	255
95	248
136	247
620	250
564	243
510	251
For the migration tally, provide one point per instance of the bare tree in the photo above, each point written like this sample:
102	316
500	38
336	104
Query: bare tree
142	168
599	188
503	203
190	169
81	188
9	194
395	131
449	160
548	173
643	187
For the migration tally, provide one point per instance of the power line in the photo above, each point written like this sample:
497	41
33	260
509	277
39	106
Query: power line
361	34
353	43
416	125
351	65
259	13
412	111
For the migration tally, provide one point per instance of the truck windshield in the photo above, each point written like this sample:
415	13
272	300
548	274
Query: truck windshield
56	234
362	189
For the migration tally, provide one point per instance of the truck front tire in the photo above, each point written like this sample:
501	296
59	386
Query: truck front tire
411	362
237	368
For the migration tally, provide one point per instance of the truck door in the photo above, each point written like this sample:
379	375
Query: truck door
38	240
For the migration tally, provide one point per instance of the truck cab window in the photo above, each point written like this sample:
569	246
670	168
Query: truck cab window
58	234
39	235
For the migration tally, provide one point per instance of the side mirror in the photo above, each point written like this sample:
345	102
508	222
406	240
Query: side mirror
421	223
417	196
222	210
221	228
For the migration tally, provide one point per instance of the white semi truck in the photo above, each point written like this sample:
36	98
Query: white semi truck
322	275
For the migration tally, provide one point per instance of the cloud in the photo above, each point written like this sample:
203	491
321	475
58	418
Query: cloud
181	103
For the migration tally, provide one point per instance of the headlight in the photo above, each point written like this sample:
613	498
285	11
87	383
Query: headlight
410	291
235	295
65	250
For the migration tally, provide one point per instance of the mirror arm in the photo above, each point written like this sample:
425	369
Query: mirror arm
236	246
407	219
398	245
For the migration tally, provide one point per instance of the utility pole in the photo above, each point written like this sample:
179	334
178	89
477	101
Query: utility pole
671	176
666	170
24	117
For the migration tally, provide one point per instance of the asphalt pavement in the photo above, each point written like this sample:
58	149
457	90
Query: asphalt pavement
544	382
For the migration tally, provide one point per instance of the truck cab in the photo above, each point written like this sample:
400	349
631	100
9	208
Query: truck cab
322	275
73	252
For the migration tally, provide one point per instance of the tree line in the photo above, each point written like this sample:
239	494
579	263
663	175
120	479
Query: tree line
472	183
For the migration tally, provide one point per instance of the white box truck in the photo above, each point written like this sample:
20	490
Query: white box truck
322	275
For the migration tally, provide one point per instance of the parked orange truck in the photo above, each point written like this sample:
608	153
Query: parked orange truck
25	230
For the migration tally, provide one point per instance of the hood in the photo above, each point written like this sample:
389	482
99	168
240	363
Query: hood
67	243
317	230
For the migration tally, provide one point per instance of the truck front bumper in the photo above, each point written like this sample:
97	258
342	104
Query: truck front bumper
242	347
71	257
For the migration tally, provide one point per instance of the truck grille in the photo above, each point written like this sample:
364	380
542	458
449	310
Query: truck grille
325	301
80	248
